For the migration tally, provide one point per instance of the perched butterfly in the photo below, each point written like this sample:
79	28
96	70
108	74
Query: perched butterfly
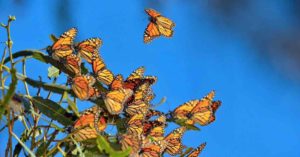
83	88
214	106
159	25
196	111
64	45
196	152
89	124
136	107
152	112
137	78
135	124
102	73
152	149
173	141
73	62
88	49
132	141
114	100
155	130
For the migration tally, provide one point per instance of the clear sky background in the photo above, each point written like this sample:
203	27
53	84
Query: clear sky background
246	50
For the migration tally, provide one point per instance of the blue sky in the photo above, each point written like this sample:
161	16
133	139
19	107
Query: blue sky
225	51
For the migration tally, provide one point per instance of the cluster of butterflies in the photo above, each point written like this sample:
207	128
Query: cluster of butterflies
129	98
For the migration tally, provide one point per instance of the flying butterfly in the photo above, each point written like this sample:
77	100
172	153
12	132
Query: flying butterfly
83	88
88	49
63	46
196	152
159	25
196	111
89	124
102	73
173	141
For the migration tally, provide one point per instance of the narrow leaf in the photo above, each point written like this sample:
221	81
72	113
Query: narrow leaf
73	107
53	110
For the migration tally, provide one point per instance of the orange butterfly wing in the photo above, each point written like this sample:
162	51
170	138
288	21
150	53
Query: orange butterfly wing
63	46
89	48
151	32
81	86
196	152
88	124
174	145
73	62
114	100
102	73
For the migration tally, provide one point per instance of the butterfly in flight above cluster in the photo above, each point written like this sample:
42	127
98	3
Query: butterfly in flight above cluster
159	25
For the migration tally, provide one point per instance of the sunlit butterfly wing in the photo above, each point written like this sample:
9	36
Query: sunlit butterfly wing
182	111
117	83
102	73
165	31
64	45
174	141
196	152
151	32
151	149
202	112
73	62
155	129
132	141
89	48
81	86
164	22
135	124
114	100
136	107
88	124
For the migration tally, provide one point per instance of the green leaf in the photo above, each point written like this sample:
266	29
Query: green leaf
53	38
53	110
49	87
73	107
53	72
10	92
105	147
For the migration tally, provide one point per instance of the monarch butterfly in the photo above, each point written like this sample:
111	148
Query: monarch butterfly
173	141
135	124
137	78
89	124
197	151
136	107
152	112
89	48
114	100
73	62
152	149
159	25
83	88
102	73
196	111
132	141
64	45
155	130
